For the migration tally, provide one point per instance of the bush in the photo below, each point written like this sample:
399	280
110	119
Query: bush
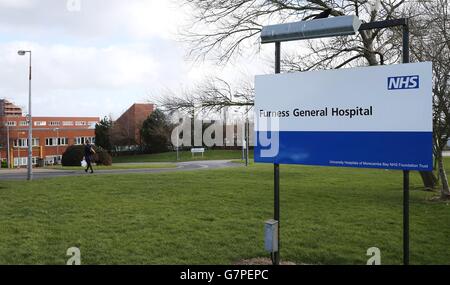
4	164
103	157
74	155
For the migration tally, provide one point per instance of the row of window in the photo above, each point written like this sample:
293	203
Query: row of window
24	142
56	141
23	161
52	124
53	141
82	140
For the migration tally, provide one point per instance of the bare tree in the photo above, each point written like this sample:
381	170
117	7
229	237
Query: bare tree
431	42
121	136
222	29
212	95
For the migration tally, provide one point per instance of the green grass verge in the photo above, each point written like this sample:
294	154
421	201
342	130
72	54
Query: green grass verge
241	161
118	166
328	216
184	156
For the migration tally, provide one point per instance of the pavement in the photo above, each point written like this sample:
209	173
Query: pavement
39	173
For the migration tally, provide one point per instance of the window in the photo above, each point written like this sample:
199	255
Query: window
22	161
53	159
56	141
54	124
24	142
21	143
79	140
10	124
50	141
67	123
80	123
24	123
40	123
63	141
82	140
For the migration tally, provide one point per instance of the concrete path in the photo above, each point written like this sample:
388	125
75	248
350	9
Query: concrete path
21	174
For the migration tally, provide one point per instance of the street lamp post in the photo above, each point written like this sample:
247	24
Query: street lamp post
178	154
243	142
247	137
30	122
245	147
242	137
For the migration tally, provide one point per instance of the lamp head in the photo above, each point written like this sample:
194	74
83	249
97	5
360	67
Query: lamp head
21	52
318	28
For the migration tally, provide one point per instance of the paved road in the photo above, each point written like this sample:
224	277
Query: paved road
181	166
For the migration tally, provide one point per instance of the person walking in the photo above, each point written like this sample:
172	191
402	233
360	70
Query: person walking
88	153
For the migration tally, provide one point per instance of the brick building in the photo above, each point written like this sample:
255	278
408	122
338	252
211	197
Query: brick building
9	109
51	135
128	125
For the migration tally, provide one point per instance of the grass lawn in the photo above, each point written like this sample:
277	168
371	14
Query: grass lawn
328	216
118	166
184	156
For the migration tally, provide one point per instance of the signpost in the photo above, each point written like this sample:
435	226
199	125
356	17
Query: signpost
197	150
369	117
338	26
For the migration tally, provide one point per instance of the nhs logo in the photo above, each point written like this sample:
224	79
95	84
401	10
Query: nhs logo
403	82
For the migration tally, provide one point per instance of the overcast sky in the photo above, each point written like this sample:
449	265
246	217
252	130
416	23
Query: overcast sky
98	57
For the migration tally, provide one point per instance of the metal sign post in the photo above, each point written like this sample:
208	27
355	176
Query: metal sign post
276	170
405	172
406	217
405	49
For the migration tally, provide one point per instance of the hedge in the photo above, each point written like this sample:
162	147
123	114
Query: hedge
74	155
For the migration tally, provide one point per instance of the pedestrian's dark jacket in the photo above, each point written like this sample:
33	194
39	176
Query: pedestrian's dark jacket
88	152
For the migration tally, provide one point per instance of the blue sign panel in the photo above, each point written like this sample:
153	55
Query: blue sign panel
347	118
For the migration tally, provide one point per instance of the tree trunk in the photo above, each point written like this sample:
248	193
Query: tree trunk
445	191
369	50
429	180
